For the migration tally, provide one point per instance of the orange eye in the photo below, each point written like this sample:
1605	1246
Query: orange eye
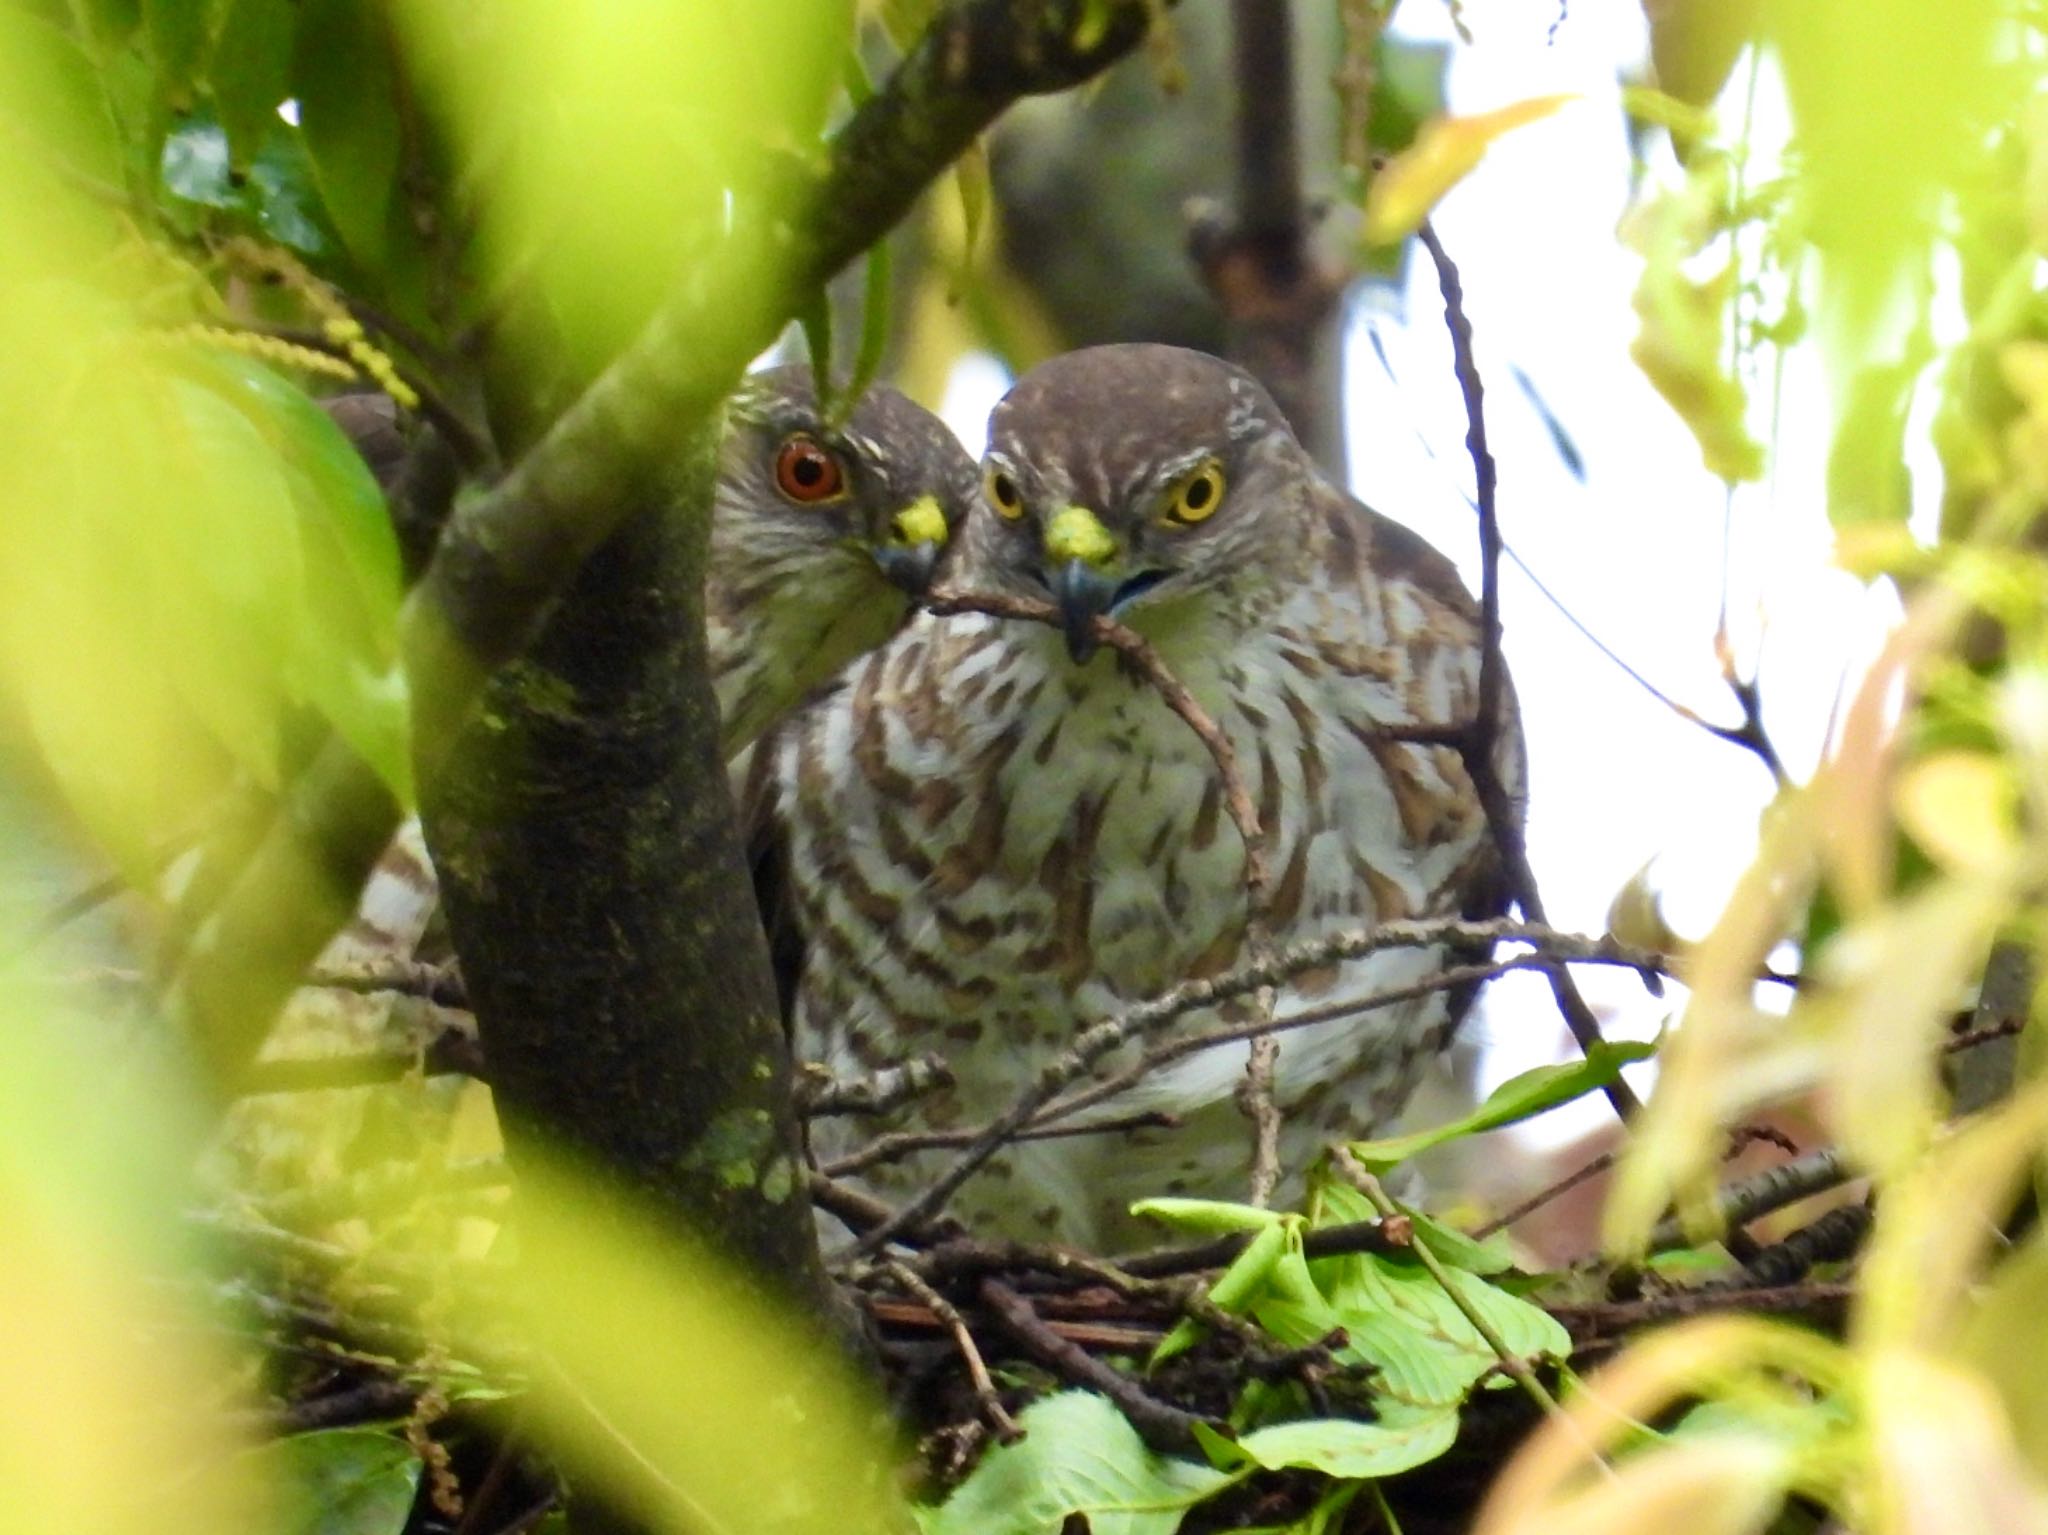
806	471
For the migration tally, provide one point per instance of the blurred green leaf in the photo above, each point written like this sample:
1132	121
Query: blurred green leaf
345	657
903	20
343	1481
53	99
1694	44
104	1366
971	183
676	1383
1519	1098
111	22
228	588
1868	480
1078	1457
1396	1442
1888	99
344	496
251	69
180	35
874	322
2003	1340
1683	345
343	77
606	149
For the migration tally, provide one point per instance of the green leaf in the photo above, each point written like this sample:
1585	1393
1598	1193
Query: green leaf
1339	1204
1078	1456
343	1481
1890	100
903	20
53	98
250	72
1868	480
874	324
1399	1318
1208	1217
1519	1098
180	34
348	497
971	181
1233	1290
1449	1245
277	199
111	22
344	79
342	657
1397	1442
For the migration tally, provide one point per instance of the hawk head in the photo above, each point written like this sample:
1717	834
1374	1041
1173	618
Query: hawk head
1139	481
822	534
884	488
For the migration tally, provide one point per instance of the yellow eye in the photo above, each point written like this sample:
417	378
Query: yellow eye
1003	493
1197	496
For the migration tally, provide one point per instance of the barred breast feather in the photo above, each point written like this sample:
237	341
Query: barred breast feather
993	847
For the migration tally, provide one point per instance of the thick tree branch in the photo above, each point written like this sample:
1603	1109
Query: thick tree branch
1279	294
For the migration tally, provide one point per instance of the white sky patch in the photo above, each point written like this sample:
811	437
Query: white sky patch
978	381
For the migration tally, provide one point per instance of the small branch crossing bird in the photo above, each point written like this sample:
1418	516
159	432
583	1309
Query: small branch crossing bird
998	834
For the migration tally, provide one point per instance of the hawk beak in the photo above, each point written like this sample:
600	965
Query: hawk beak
910	553
1084	595
1079	550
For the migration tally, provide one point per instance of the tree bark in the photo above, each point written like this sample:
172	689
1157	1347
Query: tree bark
597	892
1280	296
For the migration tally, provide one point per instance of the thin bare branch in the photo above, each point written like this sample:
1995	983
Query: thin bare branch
1542	1197
1162	1426
1098	1040
1772	1189
1477	749
999	1420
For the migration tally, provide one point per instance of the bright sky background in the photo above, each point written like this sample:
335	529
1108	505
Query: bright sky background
1635	551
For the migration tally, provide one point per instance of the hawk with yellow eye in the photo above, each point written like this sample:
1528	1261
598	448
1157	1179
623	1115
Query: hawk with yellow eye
998	836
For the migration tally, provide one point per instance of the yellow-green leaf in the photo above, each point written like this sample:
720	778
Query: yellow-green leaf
1445	151
1958	805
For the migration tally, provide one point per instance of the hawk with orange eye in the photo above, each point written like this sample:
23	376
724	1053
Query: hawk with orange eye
822	535
998	836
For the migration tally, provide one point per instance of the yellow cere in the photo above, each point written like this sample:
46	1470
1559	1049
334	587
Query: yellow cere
1075	533
921	522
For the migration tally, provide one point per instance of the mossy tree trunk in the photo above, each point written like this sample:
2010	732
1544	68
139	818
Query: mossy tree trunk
599	899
